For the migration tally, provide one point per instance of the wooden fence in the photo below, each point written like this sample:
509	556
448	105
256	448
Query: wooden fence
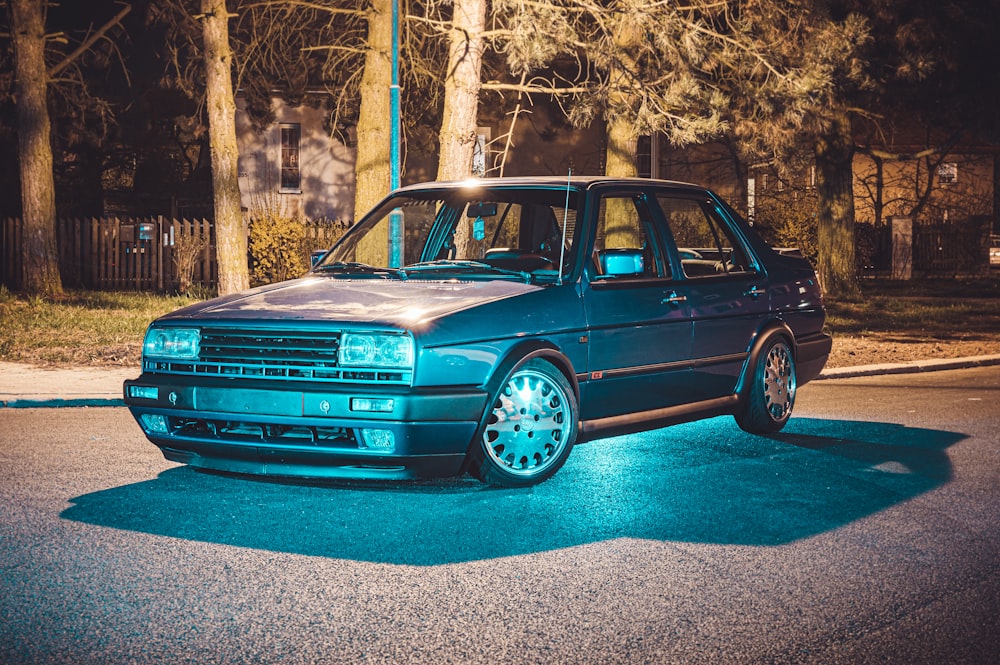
134	254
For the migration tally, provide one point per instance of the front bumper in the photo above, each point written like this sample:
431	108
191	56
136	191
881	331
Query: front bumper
306	430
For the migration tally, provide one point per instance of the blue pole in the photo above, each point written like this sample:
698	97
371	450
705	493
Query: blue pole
396	221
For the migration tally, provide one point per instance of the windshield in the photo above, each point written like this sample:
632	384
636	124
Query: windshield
494	232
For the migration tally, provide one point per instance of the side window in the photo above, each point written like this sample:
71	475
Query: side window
705	244
626	244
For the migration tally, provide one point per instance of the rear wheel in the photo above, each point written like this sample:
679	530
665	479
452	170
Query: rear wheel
770	393
529	429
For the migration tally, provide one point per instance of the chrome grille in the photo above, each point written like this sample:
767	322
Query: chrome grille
275	354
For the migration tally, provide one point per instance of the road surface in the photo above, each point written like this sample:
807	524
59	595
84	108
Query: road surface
867	532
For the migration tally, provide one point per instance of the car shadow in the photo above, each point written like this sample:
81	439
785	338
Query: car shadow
705	482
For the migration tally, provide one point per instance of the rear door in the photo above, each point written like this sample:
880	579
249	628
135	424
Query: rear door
727	288
638	315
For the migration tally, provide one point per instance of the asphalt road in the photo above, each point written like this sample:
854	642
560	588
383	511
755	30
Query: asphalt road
867	532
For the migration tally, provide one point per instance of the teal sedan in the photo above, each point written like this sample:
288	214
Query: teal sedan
487	327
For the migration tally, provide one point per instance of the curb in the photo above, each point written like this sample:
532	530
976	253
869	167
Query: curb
61	403
915	367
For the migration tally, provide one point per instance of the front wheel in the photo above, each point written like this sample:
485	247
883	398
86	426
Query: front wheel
529	428
770	394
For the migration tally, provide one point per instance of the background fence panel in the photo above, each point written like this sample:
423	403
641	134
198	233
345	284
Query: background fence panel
112	253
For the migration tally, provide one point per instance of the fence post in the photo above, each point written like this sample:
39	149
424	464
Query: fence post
902	247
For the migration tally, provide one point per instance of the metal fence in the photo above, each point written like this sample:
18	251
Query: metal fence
939	249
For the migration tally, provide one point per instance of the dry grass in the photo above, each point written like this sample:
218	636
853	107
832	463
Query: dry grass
85	328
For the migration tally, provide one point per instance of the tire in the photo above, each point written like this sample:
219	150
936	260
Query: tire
528	429
770	394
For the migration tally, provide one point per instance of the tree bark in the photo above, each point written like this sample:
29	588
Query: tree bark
620	155
461	90
620	158
230	236
835	215
39	250
621	150
457	137
372	164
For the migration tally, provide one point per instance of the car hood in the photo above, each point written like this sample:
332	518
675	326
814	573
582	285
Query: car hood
400	304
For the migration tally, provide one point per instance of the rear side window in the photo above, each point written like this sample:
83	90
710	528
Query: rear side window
706	245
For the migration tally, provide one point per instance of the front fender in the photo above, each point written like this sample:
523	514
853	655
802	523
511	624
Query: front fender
514	358
525	351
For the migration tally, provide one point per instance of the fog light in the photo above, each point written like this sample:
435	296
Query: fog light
379	439
144	392
372	405
155	423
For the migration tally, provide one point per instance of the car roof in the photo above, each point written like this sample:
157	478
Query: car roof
576	182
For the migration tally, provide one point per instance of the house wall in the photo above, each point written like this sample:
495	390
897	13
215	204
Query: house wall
971	193
326	165
877	197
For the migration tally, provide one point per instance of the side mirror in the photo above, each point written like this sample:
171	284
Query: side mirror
316	255
619	262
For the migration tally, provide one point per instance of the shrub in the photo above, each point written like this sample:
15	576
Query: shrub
187	248
277	241
784	225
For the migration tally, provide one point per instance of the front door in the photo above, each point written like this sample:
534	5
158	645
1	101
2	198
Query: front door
638	316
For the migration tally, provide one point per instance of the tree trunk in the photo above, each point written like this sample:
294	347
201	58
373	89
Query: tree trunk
230	236
372	164
461	98
620	156
39	252
461	90
835	215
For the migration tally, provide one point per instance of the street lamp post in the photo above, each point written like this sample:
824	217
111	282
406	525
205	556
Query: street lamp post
396	219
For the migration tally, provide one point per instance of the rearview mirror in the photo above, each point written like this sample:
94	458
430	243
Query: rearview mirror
481	210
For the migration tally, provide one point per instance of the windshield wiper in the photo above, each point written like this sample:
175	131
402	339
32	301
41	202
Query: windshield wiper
454	264
355	267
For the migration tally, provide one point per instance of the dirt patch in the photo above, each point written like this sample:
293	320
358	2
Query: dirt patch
877	348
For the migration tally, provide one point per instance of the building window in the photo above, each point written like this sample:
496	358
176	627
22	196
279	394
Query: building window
291	179
644	156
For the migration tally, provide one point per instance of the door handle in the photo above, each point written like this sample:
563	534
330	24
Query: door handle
672	298
755	291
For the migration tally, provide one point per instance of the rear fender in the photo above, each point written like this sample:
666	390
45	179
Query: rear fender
771	329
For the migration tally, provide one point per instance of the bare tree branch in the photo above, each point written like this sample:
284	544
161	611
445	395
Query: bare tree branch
90	41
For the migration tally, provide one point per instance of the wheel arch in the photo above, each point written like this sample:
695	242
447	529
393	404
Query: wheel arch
528	350
770	329
515	357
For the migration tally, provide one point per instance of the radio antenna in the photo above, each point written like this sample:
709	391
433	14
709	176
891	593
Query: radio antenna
562	242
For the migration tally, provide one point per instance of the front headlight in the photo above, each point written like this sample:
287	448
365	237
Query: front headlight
172	343
376	350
